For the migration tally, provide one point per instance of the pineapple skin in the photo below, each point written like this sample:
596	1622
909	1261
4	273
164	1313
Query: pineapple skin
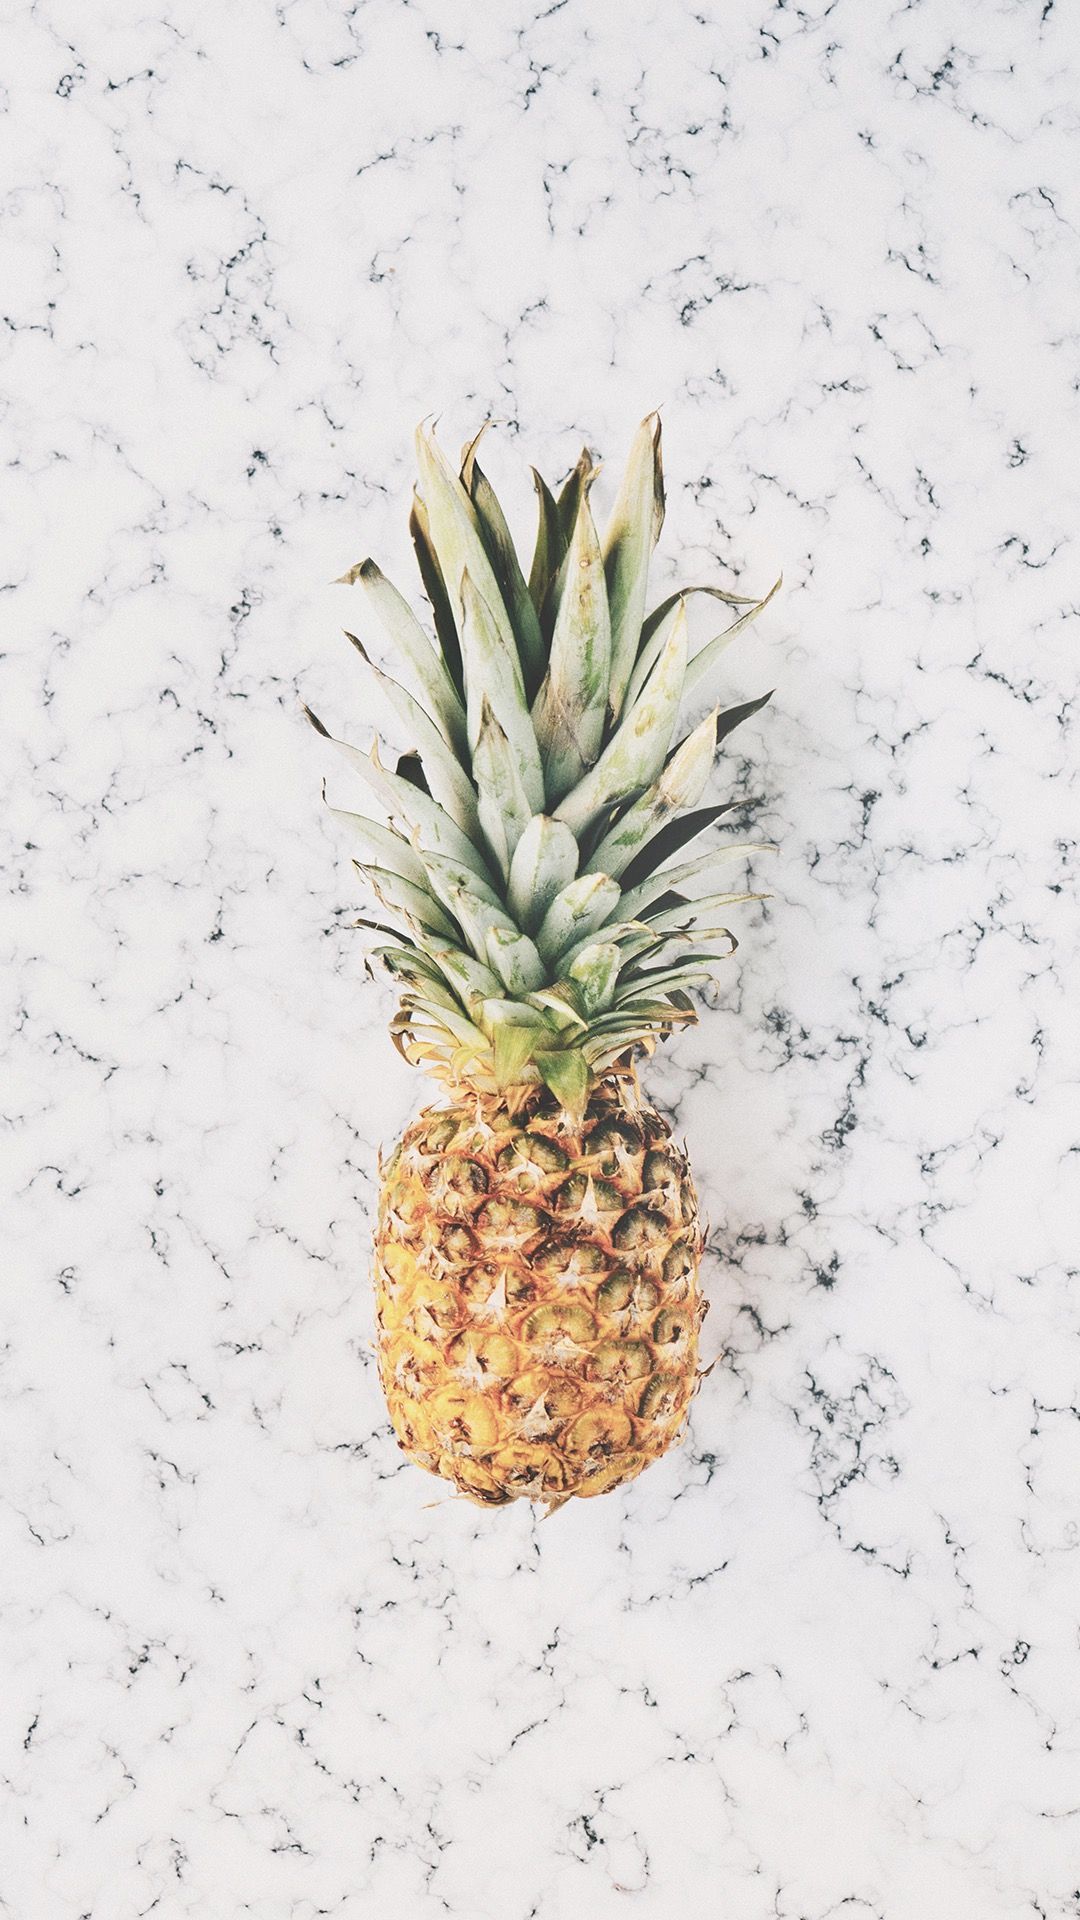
537	1292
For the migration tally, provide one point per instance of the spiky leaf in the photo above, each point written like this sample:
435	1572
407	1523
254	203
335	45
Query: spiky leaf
572	703
544	860
632	533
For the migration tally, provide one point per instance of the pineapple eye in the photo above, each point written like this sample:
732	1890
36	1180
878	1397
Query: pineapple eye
640	1227
529	1469
509	1220
555	1396
462	1420
672	1328
611	1473
455	1240
482	1356
679	1264
598	1434
398	1262
458	1175
438	1133
564	1322
659	1170
475	1480
574	1193
531	1150
646	1296
621	1360
569	1259
520	1286
615	1294
611	1138
662	1397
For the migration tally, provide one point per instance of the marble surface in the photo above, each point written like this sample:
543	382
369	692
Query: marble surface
823	1663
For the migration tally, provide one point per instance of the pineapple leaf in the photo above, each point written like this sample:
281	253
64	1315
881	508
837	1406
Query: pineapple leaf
636	901
504	808
594	973
573	491
581	906
544	860
456	537
650	652
392	847
513	1046
680	784
447	780
514	958
689	914
493	677
409	640
661	612
443	874
471	980
434	826
550	544
567	1074
674	835
704	661
402	896
431	574
569	712
477	918
632	534
636	752
505	563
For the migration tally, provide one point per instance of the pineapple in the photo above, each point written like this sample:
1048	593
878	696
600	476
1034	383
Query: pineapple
539	1240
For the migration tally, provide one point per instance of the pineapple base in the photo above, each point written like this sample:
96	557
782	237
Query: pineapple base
537	1292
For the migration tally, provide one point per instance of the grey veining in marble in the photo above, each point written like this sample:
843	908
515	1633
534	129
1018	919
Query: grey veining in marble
823	1663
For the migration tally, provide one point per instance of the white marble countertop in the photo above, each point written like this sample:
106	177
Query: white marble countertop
822	1663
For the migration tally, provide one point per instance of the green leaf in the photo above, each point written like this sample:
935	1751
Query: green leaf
433	825
447	780
635	754
673	835
471	979
560	1004
503	806
493	677
411	643
404	897
572	703
573	492
632	533
477	918
733	717
513	1047
688	917
594	973
680	785
550	544
653	620
392	847
442	874
458	542
567	1074
636	900
514	958
653	648
545	859
581	906
435	587
704	661
505	563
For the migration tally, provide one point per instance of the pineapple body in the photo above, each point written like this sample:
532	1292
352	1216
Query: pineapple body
537	1292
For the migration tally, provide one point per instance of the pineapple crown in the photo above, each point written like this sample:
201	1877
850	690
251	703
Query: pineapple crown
534	921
